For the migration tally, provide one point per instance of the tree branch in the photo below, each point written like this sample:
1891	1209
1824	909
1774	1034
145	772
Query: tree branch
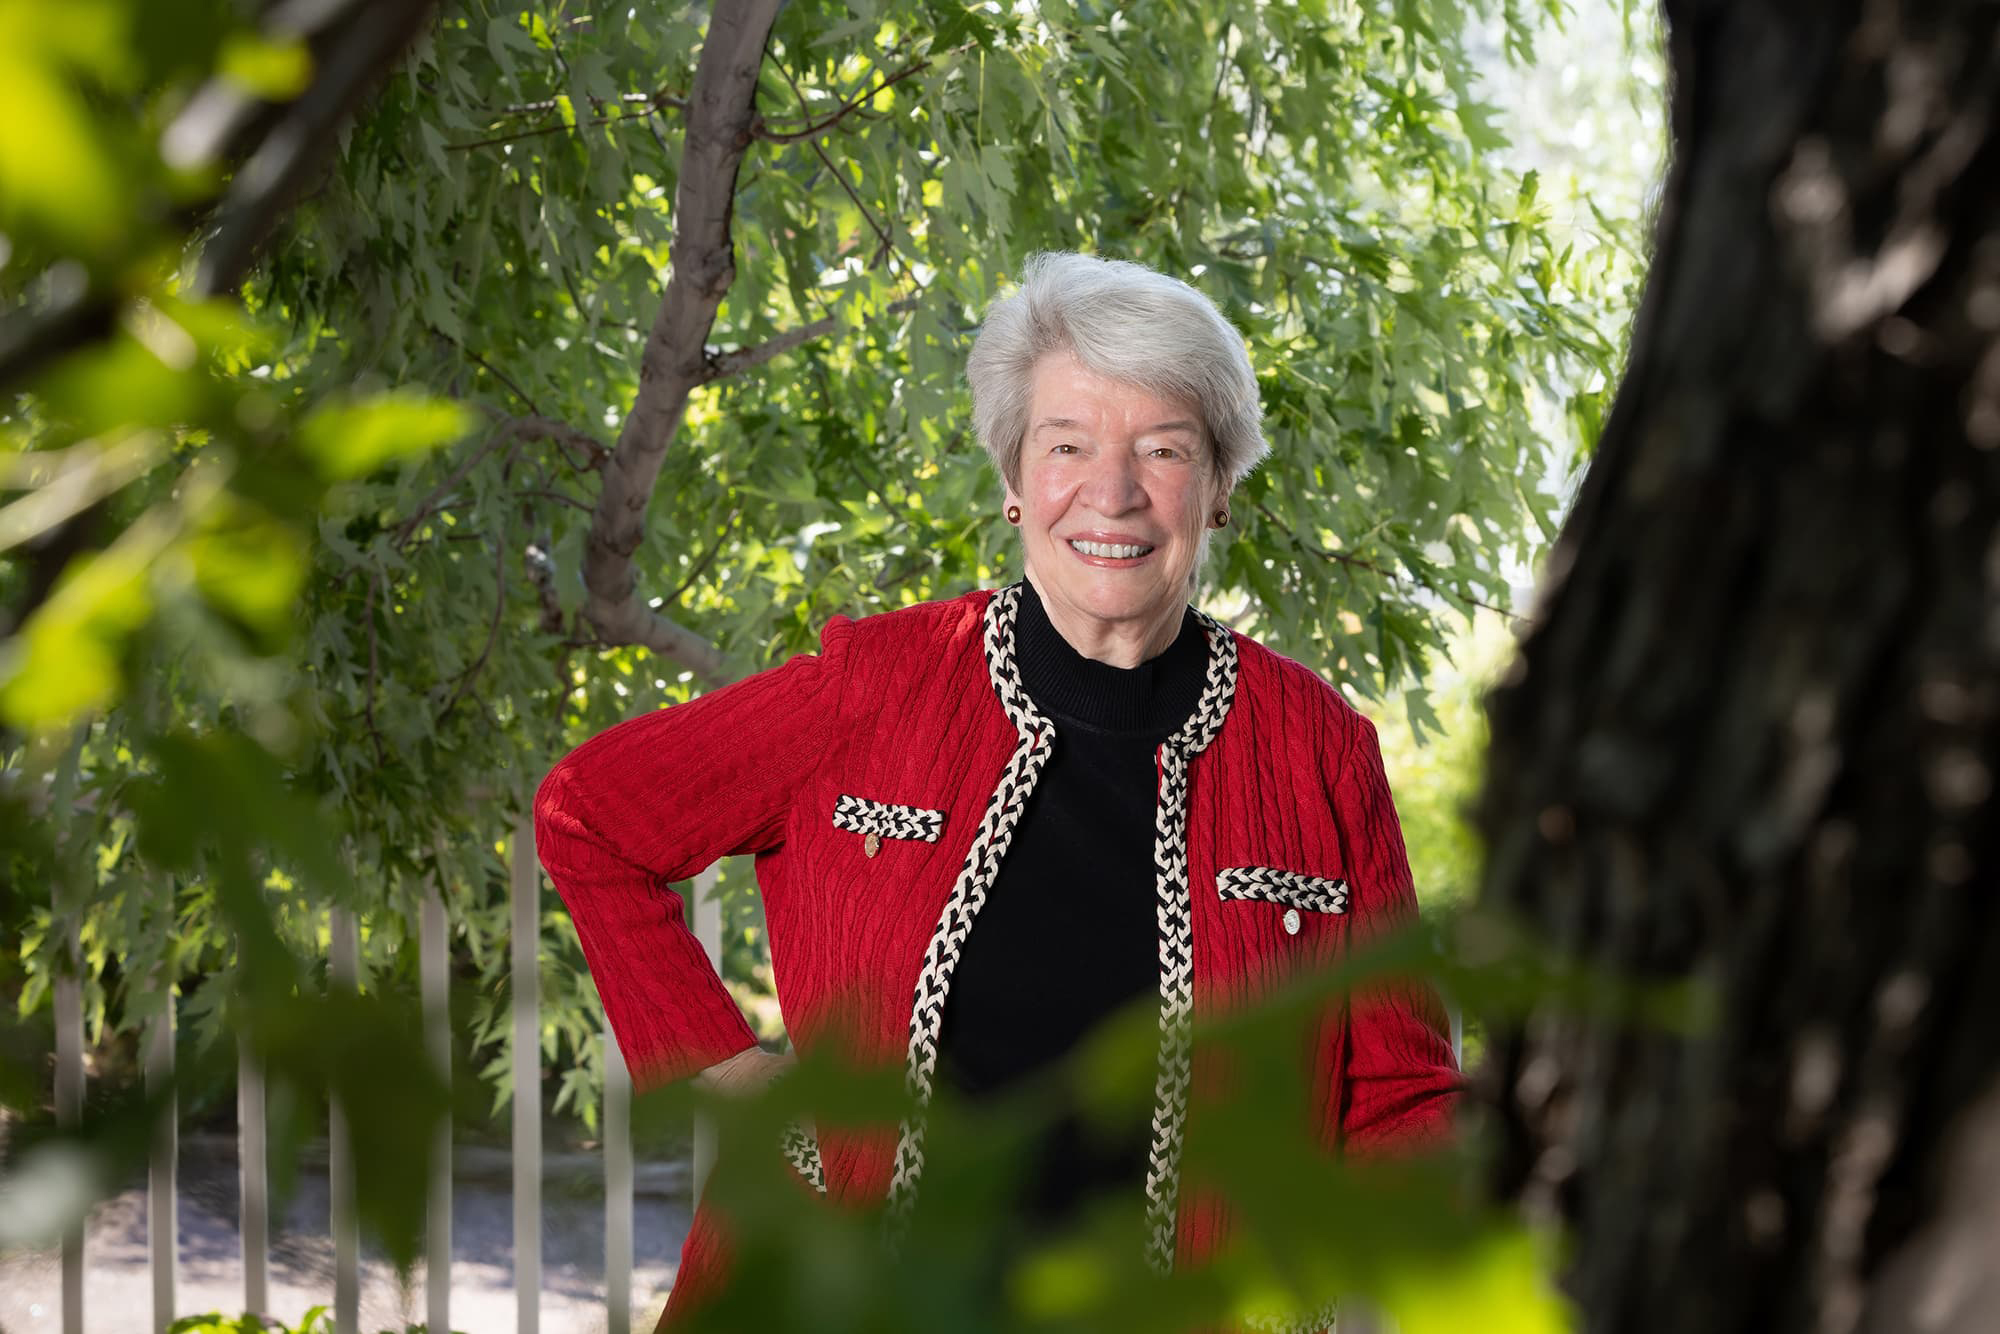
721	109
507	429
547	494
499	375
884	246
723	364
353	43
654	104
541	569
367	38
596	453
374	672
706	559
465	677
72	481
652	100
30	340
846	109
648	105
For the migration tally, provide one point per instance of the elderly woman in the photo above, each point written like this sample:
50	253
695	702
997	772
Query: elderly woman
984	824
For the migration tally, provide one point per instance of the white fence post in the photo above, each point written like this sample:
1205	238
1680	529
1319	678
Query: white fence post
617	1188
253	1181
69	1100
161	1229
343	958
525	976
705	915
435	958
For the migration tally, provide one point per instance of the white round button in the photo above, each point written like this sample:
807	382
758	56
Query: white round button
1291	921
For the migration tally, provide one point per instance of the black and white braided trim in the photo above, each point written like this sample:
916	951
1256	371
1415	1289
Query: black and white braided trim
1175	911
1311	892
968	894
863	816
1036	736
801	1150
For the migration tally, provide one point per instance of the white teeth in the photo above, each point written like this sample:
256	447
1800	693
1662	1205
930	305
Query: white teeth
1108	551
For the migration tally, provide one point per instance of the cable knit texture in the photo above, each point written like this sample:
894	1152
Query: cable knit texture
899	710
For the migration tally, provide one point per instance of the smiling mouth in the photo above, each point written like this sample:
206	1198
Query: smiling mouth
1110	550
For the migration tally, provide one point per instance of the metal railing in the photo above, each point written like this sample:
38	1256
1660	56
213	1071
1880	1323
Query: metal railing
525	886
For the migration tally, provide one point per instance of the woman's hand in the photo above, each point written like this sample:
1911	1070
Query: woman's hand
746	1072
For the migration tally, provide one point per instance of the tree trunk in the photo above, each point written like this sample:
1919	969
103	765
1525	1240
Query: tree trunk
1754	732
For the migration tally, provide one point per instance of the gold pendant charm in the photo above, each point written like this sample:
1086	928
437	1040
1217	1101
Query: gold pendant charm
871	844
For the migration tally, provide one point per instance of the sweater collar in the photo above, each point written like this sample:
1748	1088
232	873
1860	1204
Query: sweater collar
1003	612
1149	700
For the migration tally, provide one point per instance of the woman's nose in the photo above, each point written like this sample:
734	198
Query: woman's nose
1114	484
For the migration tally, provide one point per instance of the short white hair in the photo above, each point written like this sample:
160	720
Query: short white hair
1125	322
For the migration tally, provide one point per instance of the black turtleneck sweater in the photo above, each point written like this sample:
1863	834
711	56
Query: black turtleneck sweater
1069	932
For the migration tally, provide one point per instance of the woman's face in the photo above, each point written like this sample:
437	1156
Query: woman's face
1115	466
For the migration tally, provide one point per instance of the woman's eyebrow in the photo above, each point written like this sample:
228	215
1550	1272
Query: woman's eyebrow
1159	428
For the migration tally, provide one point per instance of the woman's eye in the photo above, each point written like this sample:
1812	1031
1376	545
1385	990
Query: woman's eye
1060	447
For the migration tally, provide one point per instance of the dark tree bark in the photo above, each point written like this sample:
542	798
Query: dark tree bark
1754	734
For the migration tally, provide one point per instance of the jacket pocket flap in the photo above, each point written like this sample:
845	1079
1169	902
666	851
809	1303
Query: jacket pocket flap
1295	889
887	819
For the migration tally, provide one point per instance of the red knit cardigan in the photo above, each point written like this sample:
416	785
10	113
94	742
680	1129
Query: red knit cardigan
878	783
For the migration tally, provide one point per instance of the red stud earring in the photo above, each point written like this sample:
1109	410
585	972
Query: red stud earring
1013	514
1222	518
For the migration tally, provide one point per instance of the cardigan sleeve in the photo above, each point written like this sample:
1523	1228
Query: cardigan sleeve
656	799
1400	1081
